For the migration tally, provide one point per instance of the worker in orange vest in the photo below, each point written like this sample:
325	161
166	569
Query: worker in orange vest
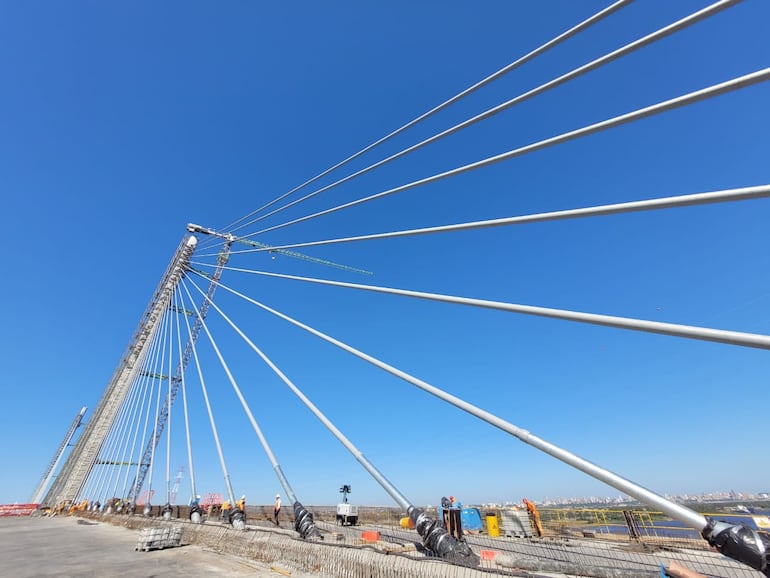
226	512
532	509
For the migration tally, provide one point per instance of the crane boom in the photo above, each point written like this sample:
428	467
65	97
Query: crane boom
46	479
193	228
176	380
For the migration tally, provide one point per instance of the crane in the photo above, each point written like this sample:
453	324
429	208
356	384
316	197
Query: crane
176	379
193	228
45	480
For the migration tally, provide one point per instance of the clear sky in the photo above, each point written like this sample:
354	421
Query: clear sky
120	122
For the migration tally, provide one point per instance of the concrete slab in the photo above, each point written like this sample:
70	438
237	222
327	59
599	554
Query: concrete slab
63	547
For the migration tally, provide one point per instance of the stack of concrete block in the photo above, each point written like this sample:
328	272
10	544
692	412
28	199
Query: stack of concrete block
159	538
515	523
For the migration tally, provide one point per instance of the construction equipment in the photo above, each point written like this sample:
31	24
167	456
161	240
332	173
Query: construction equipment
193	228
85	453
176	379
347	514
46	479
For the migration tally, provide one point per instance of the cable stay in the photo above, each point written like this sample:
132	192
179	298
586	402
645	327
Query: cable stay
212	422
94	484
585	24
112	446
110	452
130	417
737	541
129	412
652	110
695	199
196	513
575	73
167	510
143	404
134	499
80	463
156	426
435	537
142	381
754	340
303	519
222	259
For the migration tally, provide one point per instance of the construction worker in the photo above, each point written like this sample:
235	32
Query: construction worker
238	517
535	515
226	512
277	508
195	508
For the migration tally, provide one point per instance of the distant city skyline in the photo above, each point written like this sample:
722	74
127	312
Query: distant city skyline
704	497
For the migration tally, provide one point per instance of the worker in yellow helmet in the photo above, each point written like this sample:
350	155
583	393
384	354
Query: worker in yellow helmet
226	511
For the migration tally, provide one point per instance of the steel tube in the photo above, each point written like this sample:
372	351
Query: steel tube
685	515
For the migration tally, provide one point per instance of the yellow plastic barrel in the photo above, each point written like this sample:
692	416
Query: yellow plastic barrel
493	528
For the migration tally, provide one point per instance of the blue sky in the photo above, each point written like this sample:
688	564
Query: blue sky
121	122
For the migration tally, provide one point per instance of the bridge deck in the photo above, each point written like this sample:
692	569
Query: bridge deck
92	546
62	546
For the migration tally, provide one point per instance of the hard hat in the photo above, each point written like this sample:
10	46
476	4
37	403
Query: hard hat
278	495
243	497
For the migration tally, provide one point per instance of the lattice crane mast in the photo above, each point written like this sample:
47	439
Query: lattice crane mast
84	454
176	380
46	479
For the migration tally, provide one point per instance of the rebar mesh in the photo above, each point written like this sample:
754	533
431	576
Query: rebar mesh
398	553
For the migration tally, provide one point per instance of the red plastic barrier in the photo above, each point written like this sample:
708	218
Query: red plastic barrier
17	509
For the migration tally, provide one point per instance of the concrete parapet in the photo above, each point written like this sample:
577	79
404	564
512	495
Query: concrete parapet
282	546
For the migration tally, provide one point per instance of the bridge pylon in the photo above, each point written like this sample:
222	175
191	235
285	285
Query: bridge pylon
80	463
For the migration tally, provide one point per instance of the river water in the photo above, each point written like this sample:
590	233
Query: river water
675	529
